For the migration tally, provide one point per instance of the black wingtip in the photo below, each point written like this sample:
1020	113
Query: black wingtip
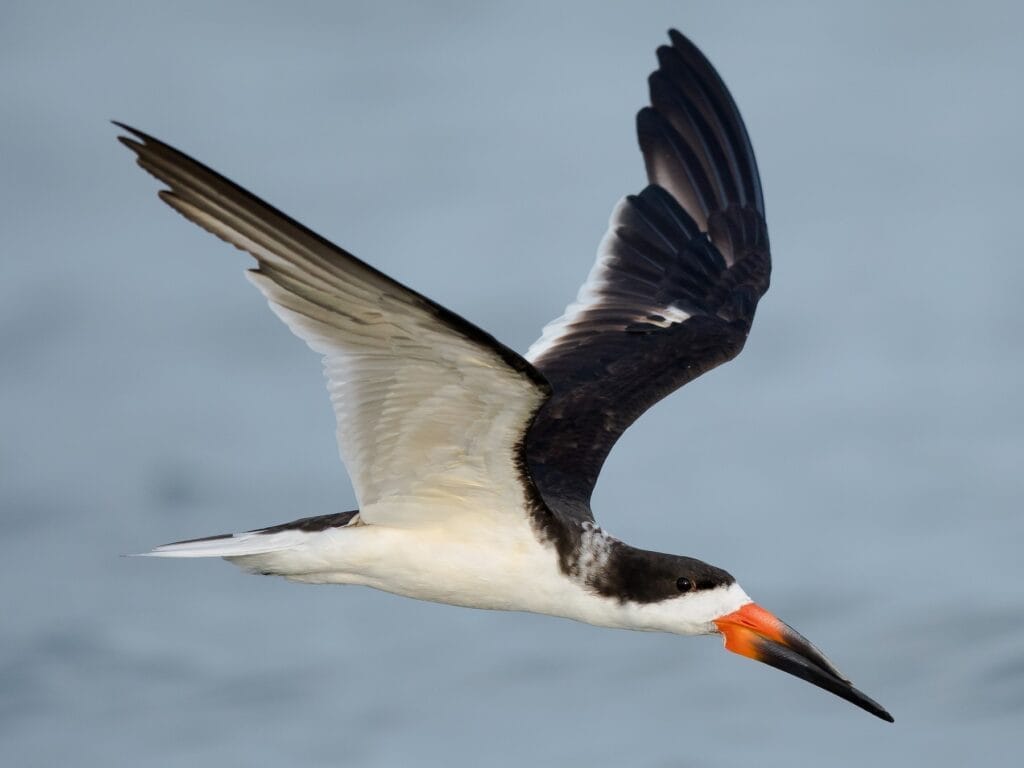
126	127
645	117
136	141
679	40
132	144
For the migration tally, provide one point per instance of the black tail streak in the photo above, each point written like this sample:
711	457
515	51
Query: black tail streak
313	524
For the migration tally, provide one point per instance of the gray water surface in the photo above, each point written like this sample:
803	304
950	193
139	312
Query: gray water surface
858	467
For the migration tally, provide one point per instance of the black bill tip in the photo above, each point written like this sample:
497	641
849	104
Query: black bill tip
757	634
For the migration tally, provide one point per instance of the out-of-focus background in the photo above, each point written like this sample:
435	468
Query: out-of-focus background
858	467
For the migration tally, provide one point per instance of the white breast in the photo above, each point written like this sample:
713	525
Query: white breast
478	564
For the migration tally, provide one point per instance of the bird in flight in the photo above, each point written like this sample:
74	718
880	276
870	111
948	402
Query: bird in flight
473	466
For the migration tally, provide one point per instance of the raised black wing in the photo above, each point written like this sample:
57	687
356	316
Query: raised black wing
674	288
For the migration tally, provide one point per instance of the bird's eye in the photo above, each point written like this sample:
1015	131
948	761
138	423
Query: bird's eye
683	584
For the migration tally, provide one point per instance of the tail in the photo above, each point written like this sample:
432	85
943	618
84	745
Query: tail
259	542
228	545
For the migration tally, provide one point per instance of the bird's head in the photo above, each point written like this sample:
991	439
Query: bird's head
690	597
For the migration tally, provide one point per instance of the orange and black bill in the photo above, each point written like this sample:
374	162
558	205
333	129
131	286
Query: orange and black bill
755	633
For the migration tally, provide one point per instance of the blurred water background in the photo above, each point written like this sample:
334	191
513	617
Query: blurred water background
858	467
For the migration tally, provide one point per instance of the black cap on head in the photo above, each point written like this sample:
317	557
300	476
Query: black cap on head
642	576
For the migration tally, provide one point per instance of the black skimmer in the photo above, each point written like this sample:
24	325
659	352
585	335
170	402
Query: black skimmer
473	466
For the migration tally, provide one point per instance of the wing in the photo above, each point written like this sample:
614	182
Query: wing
431	410
673	291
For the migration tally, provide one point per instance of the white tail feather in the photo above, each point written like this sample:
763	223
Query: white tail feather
236	545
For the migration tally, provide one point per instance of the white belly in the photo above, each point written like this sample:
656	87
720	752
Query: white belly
476	564
473	566
498	567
